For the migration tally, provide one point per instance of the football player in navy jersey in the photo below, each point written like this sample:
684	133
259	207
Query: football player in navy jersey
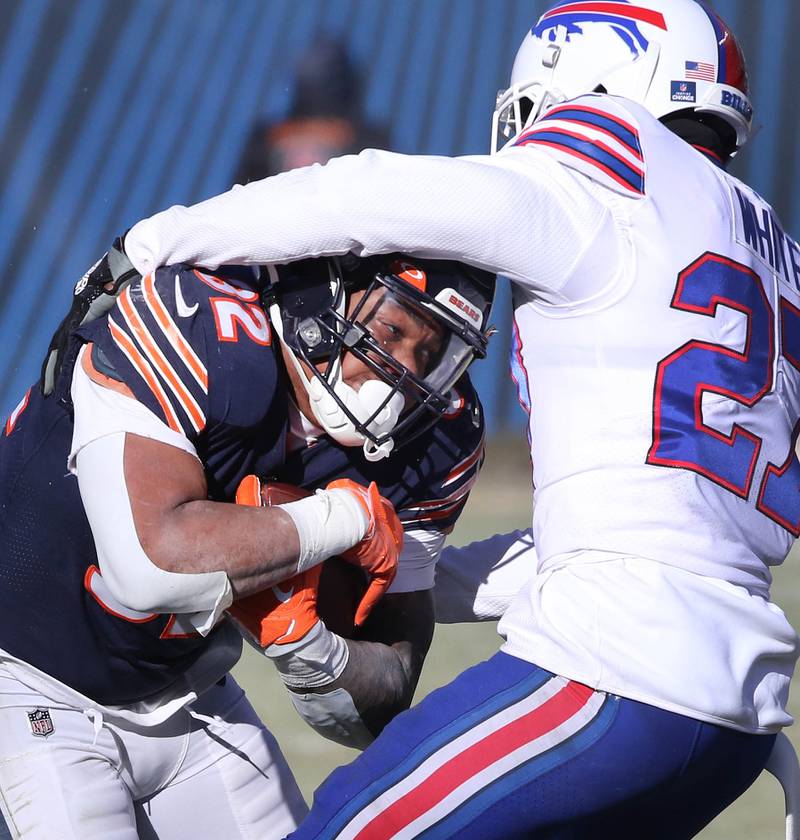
341	377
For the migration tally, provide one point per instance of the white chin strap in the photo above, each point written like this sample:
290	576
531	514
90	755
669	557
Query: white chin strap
362	404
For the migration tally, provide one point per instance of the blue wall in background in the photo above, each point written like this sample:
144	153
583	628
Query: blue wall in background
113	109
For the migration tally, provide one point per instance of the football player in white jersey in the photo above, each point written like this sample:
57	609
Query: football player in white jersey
645	671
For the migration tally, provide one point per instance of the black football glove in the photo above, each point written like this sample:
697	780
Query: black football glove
94	295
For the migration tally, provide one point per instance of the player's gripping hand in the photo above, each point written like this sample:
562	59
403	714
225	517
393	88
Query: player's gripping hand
282	614
286	612
93	296
378	551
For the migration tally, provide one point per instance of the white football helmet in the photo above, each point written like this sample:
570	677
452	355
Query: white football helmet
668	55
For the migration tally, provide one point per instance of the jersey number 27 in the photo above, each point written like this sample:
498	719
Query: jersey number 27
680	438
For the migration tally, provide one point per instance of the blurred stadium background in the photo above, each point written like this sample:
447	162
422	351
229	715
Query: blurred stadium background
111	110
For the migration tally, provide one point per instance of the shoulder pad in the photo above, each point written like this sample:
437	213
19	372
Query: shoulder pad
177	337
597	136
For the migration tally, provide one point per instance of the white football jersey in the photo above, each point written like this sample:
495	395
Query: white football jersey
657	344
664	410
664	405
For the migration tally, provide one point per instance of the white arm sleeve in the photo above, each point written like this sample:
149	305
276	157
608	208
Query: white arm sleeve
520	213
479	581
102	418
99	411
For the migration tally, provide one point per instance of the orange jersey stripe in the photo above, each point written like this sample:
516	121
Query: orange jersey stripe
464	465
173	334
146	372
159	361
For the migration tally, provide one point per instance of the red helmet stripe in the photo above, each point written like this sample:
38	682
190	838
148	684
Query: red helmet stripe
612	8
736	70
732	68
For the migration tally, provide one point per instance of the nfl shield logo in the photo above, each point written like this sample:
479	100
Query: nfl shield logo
40	722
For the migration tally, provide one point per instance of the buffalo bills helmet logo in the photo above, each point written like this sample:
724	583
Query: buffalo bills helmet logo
623	18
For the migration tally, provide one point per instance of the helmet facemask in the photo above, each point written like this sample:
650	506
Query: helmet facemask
395	404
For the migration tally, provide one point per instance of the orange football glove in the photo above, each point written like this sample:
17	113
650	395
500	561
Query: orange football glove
282	614
377	553
285	612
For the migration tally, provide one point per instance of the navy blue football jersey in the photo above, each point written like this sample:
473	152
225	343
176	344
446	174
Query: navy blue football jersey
198	351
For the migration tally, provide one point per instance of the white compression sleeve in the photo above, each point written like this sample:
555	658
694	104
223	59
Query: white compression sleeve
99	411
334	716
478	582
131	577
378	202
316	660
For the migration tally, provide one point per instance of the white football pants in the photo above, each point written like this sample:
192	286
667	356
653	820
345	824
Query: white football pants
218	775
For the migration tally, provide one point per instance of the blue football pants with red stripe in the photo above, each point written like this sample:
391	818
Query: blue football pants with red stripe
508	750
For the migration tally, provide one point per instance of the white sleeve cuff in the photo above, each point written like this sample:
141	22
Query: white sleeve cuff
130	578
205	620
479	581
416	568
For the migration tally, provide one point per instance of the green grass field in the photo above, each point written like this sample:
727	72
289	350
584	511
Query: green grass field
501	502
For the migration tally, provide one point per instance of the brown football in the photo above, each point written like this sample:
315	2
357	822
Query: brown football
341	587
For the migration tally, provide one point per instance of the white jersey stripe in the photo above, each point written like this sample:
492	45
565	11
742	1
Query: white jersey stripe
14	416
460	468
503	766
439	509
592	135
143	368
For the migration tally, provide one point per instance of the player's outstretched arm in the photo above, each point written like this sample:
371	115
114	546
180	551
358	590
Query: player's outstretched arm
346	689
